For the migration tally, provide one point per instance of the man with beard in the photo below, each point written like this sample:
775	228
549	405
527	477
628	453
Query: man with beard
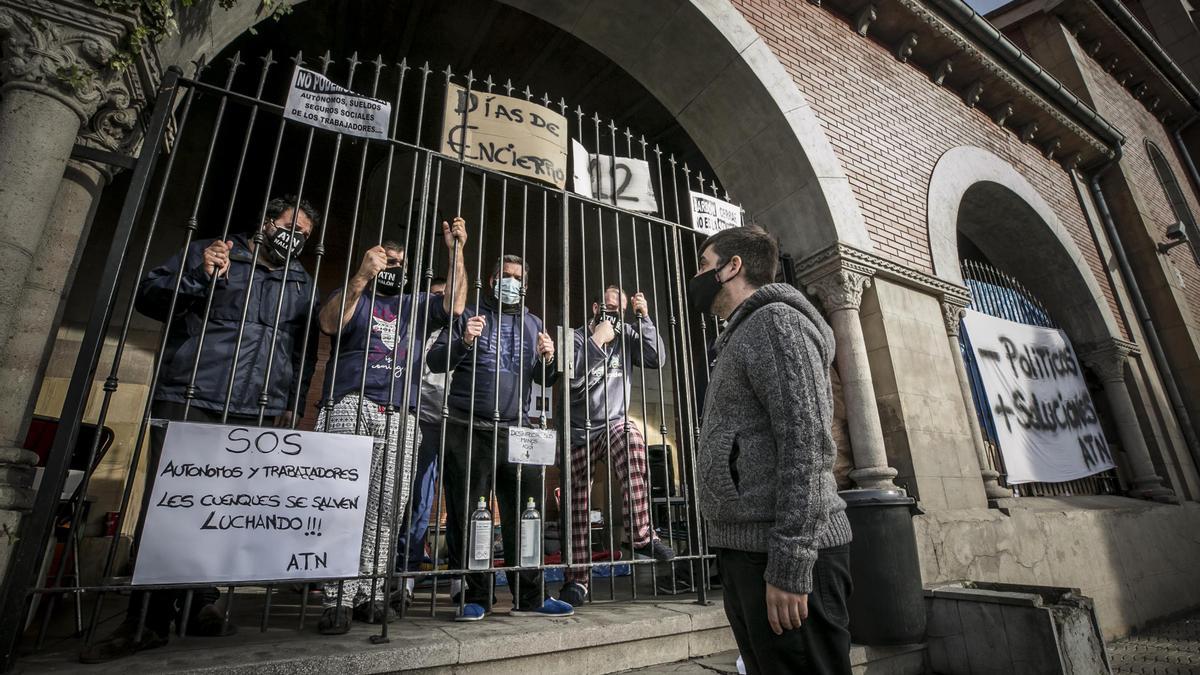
257	284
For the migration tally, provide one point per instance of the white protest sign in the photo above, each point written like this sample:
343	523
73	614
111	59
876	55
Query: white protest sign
316	101
592	177
532	446
710	215
506	134
235	503
1045	421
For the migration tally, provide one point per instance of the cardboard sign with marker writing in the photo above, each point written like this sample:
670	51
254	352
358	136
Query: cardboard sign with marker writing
233	503
505	133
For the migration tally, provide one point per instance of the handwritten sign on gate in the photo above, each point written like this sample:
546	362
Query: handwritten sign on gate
316	101
711	215
594	176
236	503
506	134
1045	420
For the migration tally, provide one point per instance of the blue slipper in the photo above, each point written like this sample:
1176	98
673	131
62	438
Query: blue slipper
551	608
471	612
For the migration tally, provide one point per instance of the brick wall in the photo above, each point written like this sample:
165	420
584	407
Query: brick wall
889	124
1116	104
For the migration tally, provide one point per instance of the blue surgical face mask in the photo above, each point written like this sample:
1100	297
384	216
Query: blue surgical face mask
507	290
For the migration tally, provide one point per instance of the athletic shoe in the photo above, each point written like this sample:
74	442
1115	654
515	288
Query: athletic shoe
471	612
551	608
574	594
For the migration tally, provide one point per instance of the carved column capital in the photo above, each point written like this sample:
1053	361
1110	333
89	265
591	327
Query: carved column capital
841	289
63	48
1107	359
952	314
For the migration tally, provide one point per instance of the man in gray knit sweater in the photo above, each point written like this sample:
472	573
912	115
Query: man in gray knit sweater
767	489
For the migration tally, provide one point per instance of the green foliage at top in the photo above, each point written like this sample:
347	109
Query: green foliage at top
156	21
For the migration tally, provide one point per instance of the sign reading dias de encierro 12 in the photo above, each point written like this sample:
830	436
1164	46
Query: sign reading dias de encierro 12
316	101
1045	421
505	133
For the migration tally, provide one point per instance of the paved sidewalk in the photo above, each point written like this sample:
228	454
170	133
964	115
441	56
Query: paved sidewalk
1170	649
724	663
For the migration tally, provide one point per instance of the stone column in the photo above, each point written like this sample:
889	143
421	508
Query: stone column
952	313
54	77
1107	361
841	293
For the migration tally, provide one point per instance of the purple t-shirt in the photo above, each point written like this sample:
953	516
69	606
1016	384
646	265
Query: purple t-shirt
381	332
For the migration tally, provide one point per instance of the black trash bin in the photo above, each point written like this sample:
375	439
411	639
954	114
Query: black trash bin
888	605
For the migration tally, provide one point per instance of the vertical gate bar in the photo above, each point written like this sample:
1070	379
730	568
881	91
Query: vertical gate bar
127	491
587	401
542	397
566	483
442	498
631	528
491	585
190	392
27	554
516	586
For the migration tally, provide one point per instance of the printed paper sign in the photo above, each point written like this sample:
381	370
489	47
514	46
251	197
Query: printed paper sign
316	101
593	177
506	134
532	446
1043	413
711	215
235	503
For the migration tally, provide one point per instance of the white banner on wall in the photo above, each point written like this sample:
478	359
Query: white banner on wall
1044	417
592	176
710	215
316	101
234	503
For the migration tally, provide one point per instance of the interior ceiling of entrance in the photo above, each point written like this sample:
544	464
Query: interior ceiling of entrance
481	36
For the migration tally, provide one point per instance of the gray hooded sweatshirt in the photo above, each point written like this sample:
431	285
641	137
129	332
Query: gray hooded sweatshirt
604	377
766	441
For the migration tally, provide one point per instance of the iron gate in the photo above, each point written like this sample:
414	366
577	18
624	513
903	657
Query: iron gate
574	247
998	294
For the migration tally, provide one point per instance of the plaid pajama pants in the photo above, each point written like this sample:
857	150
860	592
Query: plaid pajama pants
347	414
625	448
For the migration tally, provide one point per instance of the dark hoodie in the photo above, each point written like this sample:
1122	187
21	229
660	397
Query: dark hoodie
766	442
508	344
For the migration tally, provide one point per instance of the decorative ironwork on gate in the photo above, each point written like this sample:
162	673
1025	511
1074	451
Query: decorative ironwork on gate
574	247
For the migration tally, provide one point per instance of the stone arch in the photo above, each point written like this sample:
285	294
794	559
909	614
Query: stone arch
976	192
704	62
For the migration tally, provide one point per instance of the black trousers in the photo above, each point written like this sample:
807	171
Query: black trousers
820	646
463	490
166	605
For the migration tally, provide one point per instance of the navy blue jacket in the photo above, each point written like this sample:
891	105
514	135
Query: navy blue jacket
288	375
518	362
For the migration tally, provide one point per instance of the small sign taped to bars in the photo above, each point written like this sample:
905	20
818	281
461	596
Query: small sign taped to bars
507	134
710	215
532	446
592	176
235	503
316	101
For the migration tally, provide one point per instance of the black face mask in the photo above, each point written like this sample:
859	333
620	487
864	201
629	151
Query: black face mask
389	282
703	290
610	316
285	242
